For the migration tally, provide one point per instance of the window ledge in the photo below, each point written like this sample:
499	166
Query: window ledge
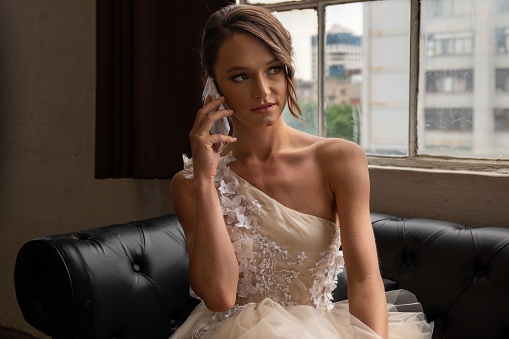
494	168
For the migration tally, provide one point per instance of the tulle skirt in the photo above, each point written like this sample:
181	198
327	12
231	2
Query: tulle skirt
268	319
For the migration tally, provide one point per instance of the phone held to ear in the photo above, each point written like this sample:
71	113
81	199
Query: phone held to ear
221	126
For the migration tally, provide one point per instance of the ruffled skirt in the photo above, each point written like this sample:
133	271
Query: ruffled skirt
268	319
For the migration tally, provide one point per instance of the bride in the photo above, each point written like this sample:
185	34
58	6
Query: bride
266	218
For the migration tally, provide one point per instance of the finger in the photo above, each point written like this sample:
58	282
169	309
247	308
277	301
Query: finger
208	142
220	138
210	105
217	115
207	116
206	124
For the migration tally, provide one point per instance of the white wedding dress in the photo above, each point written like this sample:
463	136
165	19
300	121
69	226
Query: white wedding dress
288	264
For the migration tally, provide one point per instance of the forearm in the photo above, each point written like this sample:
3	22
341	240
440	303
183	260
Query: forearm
367	302
213	267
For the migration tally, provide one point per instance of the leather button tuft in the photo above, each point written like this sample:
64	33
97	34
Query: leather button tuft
439	322
409	260
173	323
136	268
480	272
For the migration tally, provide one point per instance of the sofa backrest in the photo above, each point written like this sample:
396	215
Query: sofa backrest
459	274
130	281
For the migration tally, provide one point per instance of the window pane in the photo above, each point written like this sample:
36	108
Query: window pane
377	76
464	78
343	71
302	25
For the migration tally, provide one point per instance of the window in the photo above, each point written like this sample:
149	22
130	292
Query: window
449	119
406	93
449	8
502	40
502	6
502	80
443	44
449	81
501	116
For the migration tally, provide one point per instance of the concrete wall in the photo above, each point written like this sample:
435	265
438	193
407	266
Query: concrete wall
47	118
47	99
476	200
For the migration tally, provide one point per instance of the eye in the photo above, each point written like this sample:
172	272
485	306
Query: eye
239	77
276	69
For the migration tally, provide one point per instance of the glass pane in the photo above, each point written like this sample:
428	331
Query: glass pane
302	25
464	79
366	74
343	71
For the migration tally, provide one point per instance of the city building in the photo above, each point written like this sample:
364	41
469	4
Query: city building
463	102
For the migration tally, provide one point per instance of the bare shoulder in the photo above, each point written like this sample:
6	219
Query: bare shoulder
345	166
334	154
336	158
180	185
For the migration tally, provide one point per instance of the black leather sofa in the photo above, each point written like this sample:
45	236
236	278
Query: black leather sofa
130	281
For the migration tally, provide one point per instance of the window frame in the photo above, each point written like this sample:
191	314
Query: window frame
413	160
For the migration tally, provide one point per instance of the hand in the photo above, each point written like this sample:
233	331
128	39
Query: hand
205	155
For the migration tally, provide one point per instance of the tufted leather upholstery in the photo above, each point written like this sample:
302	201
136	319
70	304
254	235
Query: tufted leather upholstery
123	281
130	281
460	275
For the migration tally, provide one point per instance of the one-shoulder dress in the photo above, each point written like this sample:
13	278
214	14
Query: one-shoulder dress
288	266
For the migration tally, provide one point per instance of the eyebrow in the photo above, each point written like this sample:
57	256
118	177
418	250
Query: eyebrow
240	68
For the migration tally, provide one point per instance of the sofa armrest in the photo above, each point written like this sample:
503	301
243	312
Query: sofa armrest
120	281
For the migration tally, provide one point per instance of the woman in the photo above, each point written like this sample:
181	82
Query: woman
263	220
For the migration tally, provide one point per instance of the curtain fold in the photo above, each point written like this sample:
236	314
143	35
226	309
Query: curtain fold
149	83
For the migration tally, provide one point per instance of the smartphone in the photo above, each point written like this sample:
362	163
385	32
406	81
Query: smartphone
221	126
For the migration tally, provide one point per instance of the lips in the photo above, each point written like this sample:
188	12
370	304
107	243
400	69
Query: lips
264	109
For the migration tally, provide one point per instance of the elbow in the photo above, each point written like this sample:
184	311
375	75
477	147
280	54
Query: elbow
220	302
219	293
217	298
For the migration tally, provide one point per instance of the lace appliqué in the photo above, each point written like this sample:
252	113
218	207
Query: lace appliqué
325	274
257	268
188	167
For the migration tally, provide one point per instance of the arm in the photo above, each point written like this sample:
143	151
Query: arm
350	185
213	267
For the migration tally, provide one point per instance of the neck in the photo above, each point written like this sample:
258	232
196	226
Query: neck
260	143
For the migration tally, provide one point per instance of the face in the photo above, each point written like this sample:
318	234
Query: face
252	80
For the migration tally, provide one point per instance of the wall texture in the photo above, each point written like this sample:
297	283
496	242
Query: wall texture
474	200
47	109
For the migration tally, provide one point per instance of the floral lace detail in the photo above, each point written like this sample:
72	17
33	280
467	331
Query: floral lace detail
325	274
257	268
188	167
257	256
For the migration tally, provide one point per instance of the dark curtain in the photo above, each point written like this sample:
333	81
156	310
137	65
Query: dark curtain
149	83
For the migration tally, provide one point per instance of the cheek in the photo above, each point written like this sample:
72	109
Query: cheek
282	84
234	98
283	89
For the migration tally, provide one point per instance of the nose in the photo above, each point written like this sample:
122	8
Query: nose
260	88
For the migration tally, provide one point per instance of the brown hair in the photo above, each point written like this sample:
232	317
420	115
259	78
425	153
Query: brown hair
262	24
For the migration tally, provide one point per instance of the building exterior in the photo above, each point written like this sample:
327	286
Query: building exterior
343	53
463	102
343	65
385	77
